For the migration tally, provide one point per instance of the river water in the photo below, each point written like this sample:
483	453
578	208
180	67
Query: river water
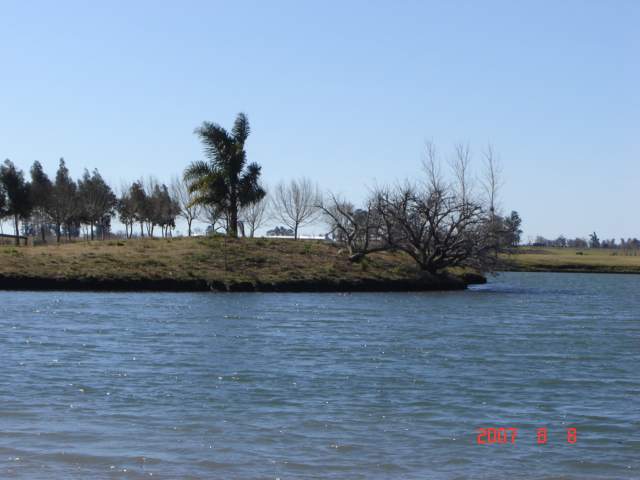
325	386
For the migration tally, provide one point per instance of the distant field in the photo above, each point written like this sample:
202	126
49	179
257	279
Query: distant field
599	260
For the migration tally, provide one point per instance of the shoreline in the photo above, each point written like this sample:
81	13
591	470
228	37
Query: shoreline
440	283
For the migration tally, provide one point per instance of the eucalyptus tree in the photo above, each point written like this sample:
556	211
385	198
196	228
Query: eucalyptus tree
63	207
163	209
140	202
3	204
41	191
16	191
225	181
97	200
126	209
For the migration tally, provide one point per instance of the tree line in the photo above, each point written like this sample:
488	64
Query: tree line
41	206
448	216
593	241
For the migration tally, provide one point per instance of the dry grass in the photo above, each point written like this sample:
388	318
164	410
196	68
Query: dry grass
200	258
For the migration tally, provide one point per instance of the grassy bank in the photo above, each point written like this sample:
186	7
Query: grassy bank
205	264
569	260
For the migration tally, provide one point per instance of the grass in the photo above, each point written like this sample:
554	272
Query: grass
208	259
600	260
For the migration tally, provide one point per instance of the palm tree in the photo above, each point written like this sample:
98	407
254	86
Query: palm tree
224	182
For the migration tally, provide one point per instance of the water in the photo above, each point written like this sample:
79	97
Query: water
324	386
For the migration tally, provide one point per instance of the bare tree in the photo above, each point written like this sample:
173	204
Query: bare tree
437	229
184	200
256	214
296	204
460	166
491	179
359	229
442	223
213	216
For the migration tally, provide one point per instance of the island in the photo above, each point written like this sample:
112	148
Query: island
216	264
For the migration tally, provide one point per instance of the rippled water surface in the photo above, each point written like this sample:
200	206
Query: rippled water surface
324	386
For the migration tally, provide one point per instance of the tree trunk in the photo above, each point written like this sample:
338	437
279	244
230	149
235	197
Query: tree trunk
17	225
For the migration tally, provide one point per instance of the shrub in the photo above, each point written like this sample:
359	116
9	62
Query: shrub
364	264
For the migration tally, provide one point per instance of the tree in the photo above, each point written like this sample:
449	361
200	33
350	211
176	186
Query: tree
443	223
512	226
63	207
492	181
187	209
213	217
594	241
3	204
577	243
255	215
17	198
125	207
296	204
359	229
41	191
140	204
280	232
97	200
561	241
163	210
226	182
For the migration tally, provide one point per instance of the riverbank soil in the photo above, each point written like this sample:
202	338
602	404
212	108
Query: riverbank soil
589	260
213	263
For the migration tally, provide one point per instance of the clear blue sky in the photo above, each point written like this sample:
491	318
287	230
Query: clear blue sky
345	92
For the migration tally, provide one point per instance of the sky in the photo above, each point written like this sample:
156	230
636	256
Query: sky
344	92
